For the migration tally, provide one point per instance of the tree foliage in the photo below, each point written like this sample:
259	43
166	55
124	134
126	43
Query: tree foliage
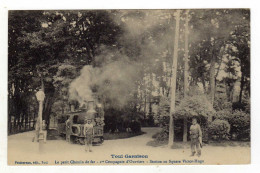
219	129
49	48
195	106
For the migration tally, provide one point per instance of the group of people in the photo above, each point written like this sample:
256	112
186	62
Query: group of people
195	135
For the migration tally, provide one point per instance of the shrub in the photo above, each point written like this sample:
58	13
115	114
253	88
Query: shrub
135	126
223	115
240	124
196	105
239	106
162	136
219	129
221	102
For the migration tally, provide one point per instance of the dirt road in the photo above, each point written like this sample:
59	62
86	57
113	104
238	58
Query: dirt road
21	148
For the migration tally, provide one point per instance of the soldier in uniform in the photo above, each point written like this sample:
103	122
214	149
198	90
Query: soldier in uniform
196	137
88	133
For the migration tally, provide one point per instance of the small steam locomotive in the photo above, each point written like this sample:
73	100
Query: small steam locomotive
71	124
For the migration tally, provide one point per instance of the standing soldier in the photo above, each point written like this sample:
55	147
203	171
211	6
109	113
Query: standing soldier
88	133
196	137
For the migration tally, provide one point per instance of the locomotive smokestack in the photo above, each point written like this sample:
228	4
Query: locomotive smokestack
90	105
91	113
72	108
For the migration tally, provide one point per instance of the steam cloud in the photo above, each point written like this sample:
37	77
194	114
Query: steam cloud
80	88
114	77
113	80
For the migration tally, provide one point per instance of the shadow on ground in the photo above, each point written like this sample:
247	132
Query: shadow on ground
177	145
183	145
54	135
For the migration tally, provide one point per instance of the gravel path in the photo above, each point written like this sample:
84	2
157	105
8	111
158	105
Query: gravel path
22	149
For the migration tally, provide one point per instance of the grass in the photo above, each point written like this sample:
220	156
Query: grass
182	145
120	135
179	144
230	143
53	134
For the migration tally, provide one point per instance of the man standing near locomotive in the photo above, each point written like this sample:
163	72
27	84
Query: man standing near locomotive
196	137
88	133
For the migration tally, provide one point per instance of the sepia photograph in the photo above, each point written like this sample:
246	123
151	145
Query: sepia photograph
129	87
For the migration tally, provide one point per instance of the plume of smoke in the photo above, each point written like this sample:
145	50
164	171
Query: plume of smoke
113	81
80	88
116	72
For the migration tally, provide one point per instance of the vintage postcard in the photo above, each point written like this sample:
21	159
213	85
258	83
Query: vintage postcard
129	87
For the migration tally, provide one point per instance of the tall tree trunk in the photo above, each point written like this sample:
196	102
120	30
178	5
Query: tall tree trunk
145	97
150	93
186	74
150	114
9	125
173	80
49	92
212	79
204	84
221	52
140	103
242	83
10	110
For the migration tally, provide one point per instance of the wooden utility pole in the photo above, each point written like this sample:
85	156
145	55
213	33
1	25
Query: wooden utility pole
173	79
186	74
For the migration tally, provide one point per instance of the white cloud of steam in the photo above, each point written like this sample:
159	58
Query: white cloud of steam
113	82
80	88
114	78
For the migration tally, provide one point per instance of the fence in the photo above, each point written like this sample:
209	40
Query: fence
21	126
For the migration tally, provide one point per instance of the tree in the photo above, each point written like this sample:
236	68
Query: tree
40	40
240	48
173	80
185	126
212	34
